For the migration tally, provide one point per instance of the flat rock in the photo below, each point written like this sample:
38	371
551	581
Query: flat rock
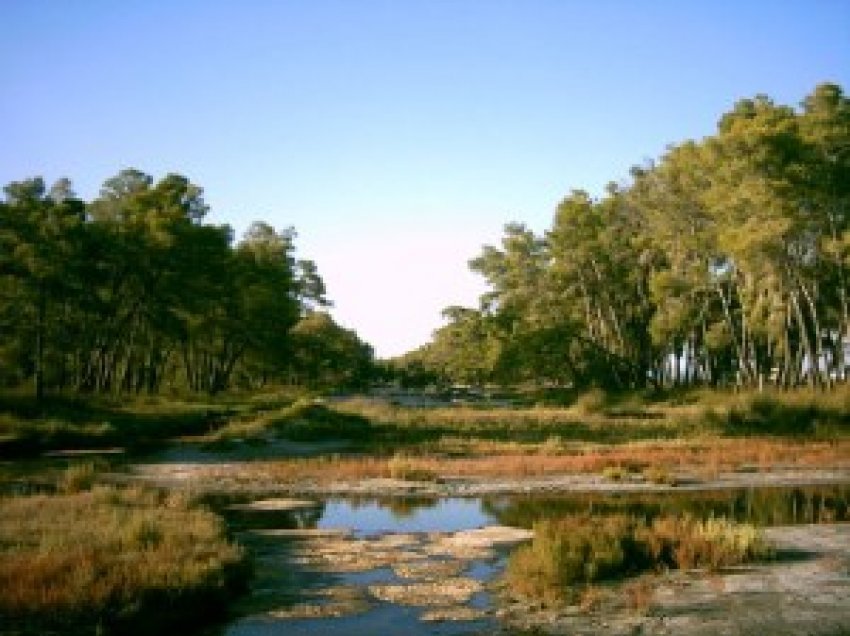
449	591
302	533
274	505
459	613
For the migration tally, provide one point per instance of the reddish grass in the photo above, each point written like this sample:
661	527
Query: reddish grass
705	457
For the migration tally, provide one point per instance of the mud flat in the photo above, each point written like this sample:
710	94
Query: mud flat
247	477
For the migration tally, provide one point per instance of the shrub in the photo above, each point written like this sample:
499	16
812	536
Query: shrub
568	554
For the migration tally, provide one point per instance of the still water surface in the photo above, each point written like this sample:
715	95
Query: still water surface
280	582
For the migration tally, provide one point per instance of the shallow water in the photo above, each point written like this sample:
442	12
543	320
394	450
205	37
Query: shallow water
287	576
403	515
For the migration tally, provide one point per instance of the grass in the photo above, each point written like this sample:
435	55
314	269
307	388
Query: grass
29	428
113	561
408	468
659	461
305	419
568	555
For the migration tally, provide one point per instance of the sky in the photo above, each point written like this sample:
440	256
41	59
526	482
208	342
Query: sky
397	136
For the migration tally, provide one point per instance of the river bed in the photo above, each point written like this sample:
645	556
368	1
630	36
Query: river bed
421	565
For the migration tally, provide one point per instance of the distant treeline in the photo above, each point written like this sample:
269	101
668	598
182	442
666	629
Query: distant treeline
723	263
134	292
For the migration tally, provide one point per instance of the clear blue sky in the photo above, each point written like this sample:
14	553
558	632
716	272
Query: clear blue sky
397	136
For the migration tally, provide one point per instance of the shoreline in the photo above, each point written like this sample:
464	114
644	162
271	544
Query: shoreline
245	478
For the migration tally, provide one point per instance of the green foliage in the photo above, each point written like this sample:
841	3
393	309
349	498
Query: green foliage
133	293
309	421
324	355
724	263
304	420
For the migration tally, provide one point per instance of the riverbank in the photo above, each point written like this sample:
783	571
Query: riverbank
257	478
112	560
804	590
247	448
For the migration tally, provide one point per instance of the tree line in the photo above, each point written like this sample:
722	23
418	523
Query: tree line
134	292
722	263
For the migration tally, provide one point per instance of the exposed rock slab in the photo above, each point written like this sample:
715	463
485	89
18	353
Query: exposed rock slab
449	591
274	505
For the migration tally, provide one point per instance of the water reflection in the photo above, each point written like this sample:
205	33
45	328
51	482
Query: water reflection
758	506
398	507
286	576
376	516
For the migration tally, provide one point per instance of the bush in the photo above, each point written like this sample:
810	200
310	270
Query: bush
568	554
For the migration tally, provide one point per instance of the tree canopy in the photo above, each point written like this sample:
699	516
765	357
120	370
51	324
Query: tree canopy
133	291
724	262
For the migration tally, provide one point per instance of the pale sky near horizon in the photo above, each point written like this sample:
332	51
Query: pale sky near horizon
397	136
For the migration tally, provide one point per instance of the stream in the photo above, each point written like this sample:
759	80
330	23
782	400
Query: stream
416	566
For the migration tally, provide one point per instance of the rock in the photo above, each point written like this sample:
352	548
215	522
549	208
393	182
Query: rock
274	505
459	613
437	593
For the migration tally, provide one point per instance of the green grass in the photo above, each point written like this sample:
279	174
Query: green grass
305	419
568	554
113	561
29	428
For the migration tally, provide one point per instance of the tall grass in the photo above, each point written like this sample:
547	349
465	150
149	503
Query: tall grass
29	428
117	560
303	420
569	554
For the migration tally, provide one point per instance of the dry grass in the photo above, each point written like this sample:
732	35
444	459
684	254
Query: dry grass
569	555
111	558
660	461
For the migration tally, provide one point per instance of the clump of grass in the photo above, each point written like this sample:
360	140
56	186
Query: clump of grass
615	473
659	475
591	402
112	559
305	419
77	478
639	594
569	554
717	542
407	468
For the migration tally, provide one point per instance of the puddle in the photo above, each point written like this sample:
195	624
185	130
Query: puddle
404	515
418	566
